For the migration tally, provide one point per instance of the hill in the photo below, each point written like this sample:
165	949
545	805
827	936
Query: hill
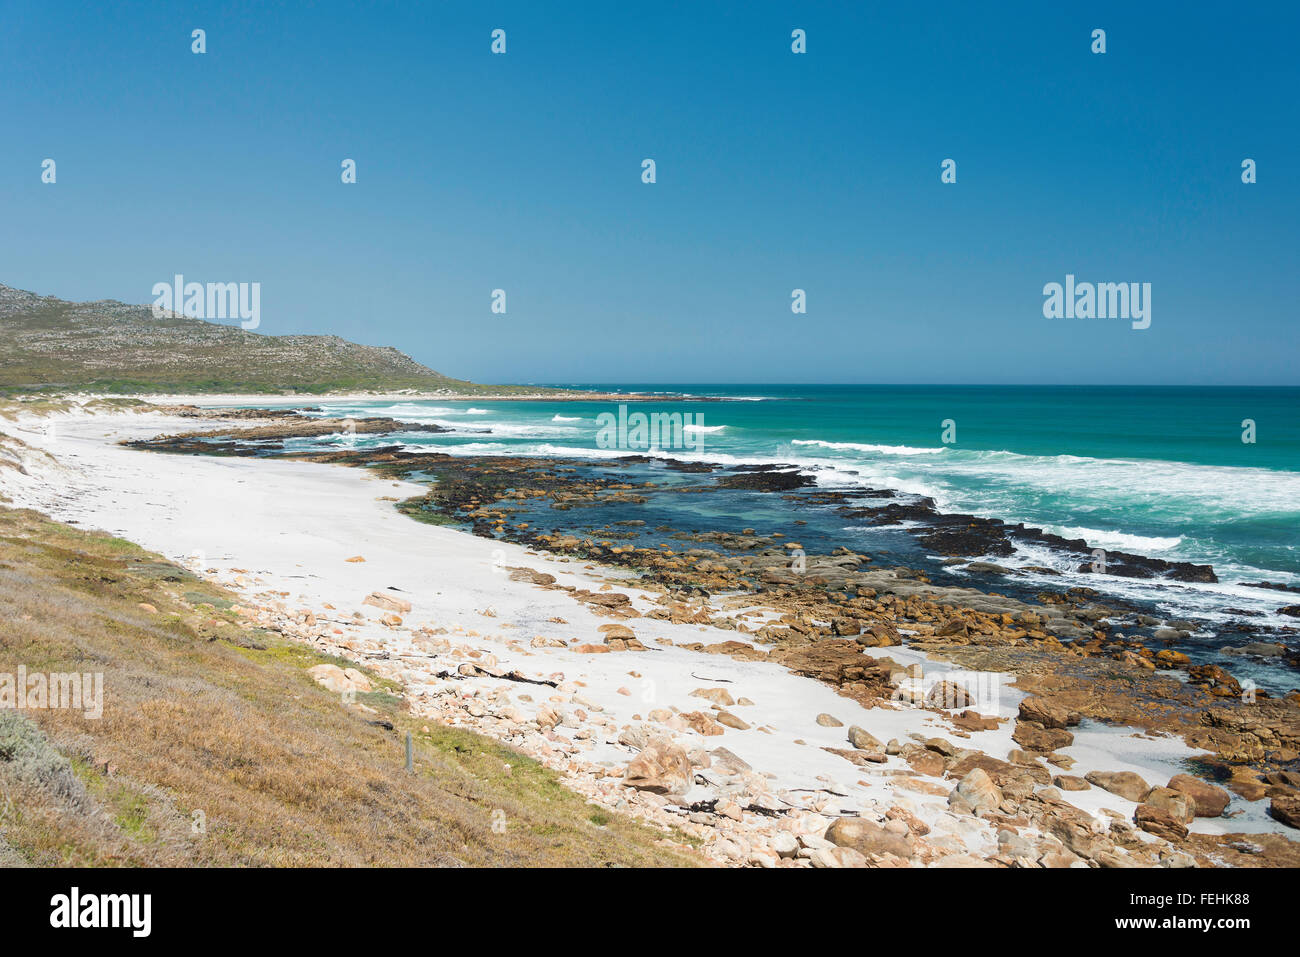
113	347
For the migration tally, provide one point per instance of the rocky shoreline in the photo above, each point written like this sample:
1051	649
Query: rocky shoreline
828	617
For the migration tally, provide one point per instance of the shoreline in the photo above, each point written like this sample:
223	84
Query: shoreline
337	511
217	400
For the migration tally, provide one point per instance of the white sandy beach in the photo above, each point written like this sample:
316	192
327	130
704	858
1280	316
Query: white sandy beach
279	533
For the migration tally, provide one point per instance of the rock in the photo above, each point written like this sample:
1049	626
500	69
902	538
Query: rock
354	559
979	792
544	641
1062	858
941	746
520	574
387	602
1215	680
1032	736
731	721
970	720
719	696
727	762
1261	649
1068	782
864	740
1207	799
1172	658
952	627
948	695
637	736
867	837
1011	844
1047	714
616	631
701	723
662	767
1286	808
837	857
1124	783
1159	822
784	844
828	721
334	678
1179	806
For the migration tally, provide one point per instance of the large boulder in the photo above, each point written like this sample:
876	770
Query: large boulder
1033	736
1159	822
1286	808
864	740
1179	805
1126	784
1047	714
867	837
1207	799
662	767
978	792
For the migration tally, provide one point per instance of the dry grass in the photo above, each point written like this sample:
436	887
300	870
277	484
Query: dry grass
202	714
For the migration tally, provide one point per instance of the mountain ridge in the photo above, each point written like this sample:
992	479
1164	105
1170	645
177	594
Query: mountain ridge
109	346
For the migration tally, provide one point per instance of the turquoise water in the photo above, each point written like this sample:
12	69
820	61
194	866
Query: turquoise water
1161	472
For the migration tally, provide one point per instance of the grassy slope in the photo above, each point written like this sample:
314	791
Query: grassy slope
110	347
202	713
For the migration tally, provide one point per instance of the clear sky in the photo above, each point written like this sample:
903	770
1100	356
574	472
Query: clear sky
775	171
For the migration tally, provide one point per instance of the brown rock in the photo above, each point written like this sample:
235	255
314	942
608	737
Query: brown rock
700	722
979	792
731	721
662	767
1124	783
1047	714
1068	782
616	631
1178	805
719	696
948	695
531	575
1159	822
1207	799
387	602
867	837
1286	808
864	740
1032	736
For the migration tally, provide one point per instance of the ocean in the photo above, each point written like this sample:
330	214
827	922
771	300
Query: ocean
1158	471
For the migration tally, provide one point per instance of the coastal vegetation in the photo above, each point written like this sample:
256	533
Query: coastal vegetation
217	747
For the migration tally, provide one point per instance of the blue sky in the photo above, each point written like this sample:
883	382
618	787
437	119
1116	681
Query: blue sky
775	171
